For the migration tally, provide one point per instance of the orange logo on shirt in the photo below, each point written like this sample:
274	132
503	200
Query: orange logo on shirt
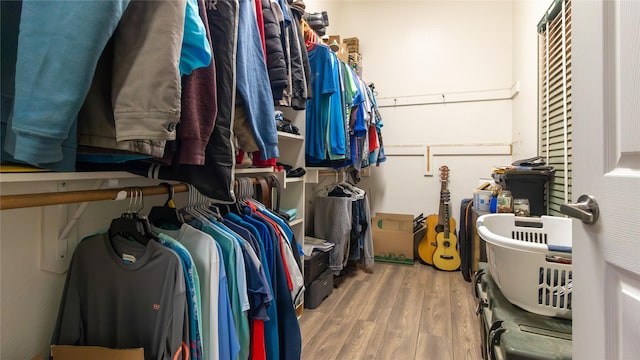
156	306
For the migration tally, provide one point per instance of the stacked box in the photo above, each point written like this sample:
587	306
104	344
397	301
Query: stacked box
353	44
314	265
318	290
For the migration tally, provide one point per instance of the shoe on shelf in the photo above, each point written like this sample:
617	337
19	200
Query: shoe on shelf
291	172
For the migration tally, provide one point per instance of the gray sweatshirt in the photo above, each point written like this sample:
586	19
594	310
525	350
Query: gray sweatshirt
121	294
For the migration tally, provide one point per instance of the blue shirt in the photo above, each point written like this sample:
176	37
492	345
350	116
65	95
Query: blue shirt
40	128
229	257
196	51
336	131
227	338
317	114
190	275
252	242
272	345
252	82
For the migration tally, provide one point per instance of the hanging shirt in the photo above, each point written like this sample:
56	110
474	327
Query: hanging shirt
258	345
332	222
258	230
257	291
240	265
196	50
294	273
176	234
261	288
122	294
288	328
336	131
230	345
207	260
227	246
317	114
191	279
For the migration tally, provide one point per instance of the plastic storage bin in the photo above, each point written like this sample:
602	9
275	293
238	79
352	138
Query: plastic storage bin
530	260
510	333
531	185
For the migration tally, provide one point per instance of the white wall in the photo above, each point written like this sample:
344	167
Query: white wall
423	48
526	14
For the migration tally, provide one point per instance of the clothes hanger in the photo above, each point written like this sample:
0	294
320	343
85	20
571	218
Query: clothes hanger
357	192
166	215
205	205
248	192
129	224
189	211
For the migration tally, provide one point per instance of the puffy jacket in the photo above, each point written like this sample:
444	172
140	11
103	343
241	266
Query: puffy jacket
300	69
275	53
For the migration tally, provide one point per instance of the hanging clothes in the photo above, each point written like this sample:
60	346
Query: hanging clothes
300	68
252	82
342	216
199	103
332	222
273	51
119	111
235	272
281	332
193	295
219	333
27	137
122	294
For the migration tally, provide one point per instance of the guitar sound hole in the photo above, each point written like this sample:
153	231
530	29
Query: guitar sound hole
439	228
447	243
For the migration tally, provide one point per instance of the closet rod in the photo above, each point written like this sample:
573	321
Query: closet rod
69	197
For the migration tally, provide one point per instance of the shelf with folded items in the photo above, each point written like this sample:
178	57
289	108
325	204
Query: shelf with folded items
292	148
295	222
284	136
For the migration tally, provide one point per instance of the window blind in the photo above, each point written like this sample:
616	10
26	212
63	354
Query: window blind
554	99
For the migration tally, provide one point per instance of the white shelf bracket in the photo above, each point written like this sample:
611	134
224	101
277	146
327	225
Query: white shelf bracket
54	255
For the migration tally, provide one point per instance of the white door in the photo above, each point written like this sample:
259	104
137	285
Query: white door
606	143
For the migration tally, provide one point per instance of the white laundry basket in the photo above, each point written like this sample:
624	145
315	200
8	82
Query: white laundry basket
530	260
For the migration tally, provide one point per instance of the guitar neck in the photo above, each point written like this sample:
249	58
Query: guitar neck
446	220
441	209
441	213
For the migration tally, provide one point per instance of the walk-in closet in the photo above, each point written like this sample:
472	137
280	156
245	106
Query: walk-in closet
319	179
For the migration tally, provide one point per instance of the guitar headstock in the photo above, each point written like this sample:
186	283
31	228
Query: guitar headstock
444	173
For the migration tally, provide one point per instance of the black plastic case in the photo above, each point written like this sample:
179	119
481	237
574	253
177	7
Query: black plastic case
511	333
318	290
315	265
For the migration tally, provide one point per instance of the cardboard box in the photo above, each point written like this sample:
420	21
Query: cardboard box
334	37
393	238
69	352
353	44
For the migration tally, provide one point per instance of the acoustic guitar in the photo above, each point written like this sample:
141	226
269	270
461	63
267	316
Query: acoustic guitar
446	256
435	223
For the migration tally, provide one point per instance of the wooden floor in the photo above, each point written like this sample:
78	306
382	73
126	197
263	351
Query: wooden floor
396	312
